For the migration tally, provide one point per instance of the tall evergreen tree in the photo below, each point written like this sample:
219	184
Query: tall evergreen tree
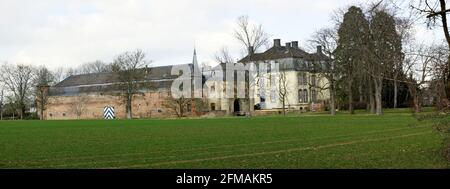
386	51
352	48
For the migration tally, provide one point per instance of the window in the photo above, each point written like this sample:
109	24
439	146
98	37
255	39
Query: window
213	106
302	96
313	80
305	65
189	107
313	95
64	114
305	99
302	78
213	89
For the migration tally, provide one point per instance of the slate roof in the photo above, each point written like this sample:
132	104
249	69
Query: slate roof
155	73
278	52
158	77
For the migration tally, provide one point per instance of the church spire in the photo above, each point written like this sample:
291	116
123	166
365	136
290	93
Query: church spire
194	58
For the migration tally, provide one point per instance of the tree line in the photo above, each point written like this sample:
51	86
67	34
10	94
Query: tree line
375	61
25	87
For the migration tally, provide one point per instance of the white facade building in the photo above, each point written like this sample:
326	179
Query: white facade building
305	82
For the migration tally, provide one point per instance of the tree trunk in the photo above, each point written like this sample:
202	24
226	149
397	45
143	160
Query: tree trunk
181	110
378	97
42	113
415	96
360	91
447	81
378	101
350	97
128	106
443	15
284	106
395	92
332	99
332	105
41	106
416	104
372	104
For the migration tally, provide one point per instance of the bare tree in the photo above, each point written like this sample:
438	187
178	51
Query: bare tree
42	94
251	36
43	80
405	29
11	106
43	76
418	67
94	67
78	106
132	69
439	57
177	105
2	101
327	39
283	89
59	74
435	10
19	80
223	56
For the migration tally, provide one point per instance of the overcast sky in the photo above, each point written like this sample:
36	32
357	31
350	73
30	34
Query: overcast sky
68	33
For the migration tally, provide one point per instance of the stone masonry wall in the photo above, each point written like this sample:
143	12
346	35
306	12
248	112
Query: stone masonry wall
144	105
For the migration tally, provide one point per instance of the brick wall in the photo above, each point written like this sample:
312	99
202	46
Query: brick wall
144	105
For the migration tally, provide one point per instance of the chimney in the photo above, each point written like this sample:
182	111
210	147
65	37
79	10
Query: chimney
288	46
294	44
319	49
277	43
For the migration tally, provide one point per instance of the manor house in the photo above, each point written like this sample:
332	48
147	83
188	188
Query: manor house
85	96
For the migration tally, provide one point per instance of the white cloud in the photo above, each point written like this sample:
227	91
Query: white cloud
68	33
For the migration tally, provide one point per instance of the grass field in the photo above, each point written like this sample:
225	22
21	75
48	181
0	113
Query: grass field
394	140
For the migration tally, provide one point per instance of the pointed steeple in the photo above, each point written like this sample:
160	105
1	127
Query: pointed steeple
197	77
194	58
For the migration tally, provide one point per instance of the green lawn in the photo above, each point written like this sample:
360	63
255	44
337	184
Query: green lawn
394	140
